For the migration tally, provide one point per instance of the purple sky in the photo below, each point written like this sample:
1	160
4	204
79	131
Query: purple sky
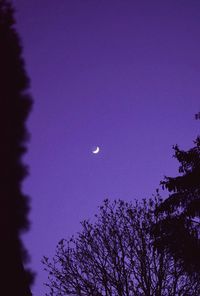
120	74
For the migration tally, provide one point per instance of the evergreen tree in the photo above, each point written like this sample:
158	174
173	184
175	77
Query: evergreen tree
15	105
179	230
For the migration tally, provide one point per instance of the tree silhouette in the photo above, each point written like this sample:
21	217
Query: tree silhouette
179	232
15	105
114	256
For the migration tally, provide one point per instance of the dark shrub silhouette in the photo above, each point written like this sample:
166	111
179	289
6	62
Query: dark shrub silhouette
179	232
114	256
15	105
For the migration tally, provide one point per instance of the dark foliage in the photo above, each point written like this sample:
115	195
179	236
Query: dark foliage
197	115
115	257
15	105
179	231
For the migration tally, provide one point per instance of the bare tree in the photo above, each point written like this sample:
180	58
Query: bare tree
115	256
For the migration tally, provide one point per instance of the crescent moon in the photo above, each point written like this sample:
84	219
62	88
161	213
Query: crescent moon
96	150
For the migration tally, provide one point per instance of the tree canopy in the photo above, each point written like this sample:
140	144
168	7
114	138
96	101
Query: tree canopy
179	231
15	105
115	256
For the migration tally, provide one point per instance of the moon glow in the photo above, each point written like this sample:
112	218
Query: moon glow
95	151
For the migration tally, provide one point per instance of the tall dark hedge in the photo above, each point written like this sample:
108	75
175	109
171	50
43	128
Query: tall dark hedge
15	105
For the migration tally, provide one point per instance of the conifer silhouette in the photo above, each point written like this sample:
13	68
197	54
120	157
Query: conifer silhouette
15	105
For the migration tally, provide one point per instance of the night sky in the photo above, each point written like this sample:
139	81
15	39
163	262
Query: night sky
119	74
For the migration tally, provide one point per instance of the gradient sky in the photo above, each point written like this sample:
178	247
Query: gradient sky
121	74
